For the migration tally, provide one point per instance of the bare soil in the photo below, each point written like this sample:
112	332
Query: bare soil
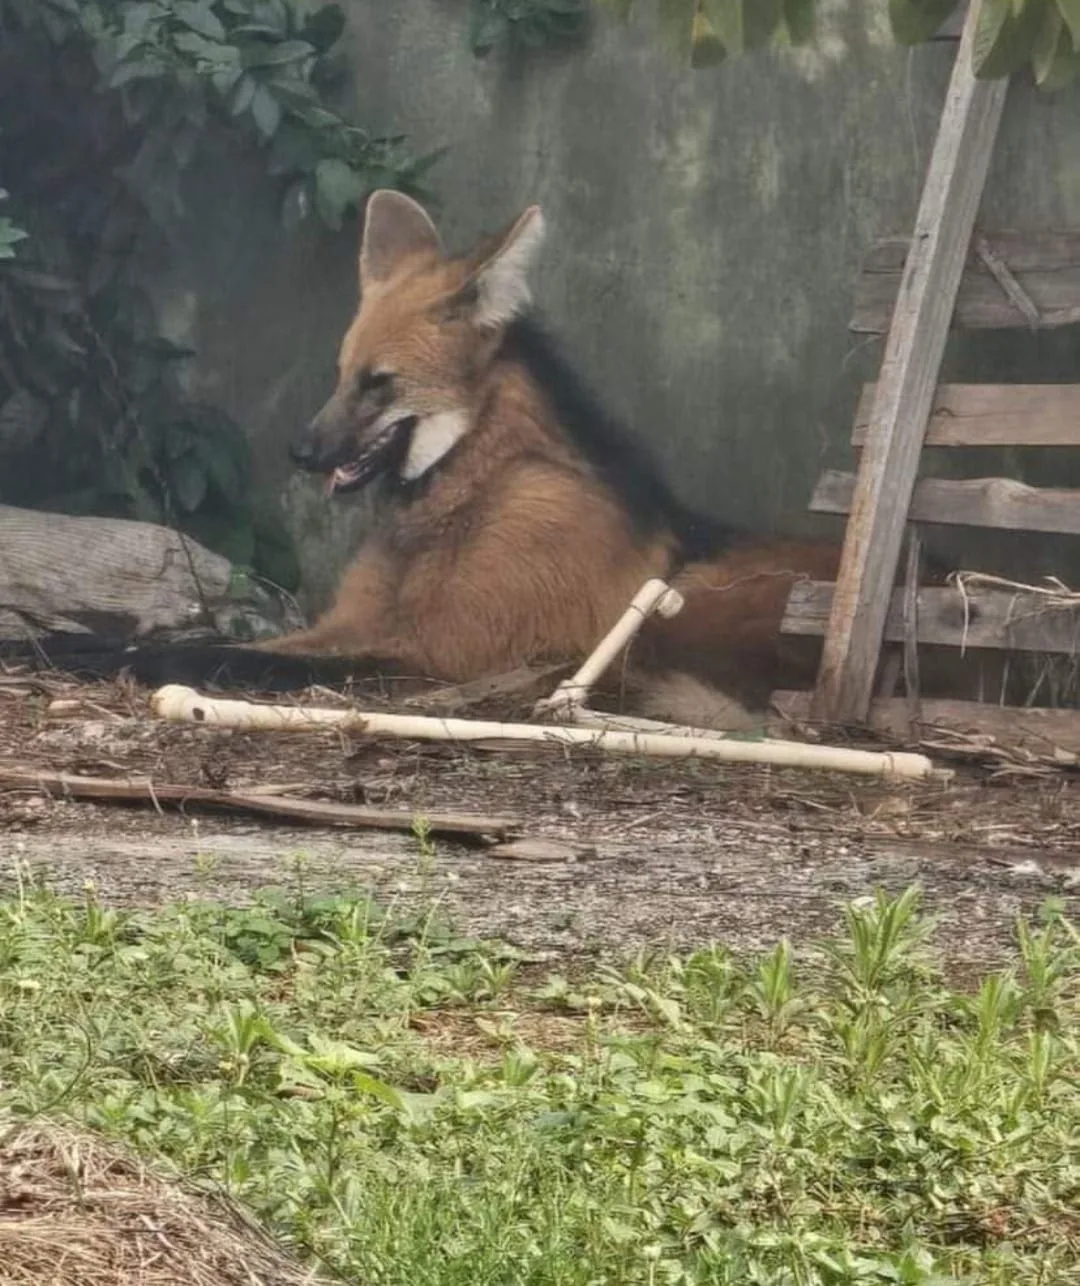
651	855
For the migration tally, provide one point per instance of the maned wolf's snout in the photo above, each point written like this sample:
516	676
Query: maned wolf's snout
351	450
302	451
323	443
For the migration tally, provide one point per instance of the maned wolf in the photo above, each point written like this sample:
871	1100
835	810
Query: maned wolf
515	521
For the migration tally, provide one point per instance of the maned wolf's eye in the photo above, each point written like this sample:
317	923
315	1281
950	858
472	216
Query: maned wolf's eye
368	381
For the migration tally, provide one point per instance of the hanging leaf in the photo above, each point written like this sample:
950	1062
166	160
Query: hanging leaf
187	483
266	111
223	465
914	21
706	47
274	13
1005	40
243	95
141	19
337	188
205	52
799	18
1070	11
179	440
200	17
138	69
324	27
1054	60
278	55
10	236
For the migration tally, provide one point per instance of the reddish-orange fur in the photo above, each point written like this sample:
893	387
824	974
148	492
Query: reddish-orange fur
513	549
729	631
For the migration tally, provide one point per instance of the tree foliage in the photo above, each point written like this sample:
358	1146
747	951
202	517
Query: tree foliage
104	104
527	22
1012	34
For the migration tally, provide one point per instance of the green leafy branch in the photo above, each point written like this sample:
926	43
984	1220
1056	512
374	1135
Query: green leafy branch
530	23
104	104
264	63
705	32
1011	34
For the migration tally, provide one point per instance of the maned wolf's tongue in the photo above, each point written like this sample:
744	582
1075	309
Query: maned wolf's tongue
340	478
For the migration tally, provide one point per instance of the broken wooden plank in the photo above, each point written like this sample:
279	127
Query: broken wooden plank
1045	265
1011	288
312	812
1002	503
905	391
1045	250
996	619
1037	727
992	415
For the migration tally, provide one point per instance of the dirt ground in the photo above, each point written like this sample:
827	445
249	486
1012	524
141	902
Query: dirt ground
648	855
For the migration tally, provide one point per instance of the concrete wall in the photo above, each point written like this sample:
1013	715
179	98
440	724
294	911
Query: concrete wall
705	232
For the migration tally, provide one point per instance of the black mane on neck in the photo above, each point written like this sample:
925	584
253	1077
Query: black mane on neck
619	458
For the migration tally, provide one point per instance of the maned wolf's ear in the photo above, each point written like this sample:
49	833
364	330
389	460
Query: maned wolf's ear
395	227
500	286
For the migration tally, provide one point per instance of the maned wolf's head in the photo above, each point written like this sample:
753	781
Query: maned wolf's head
412	360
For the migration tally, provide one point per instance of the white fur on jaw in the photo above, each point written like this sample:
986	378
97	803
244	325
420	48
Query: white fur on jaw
432	437
503	283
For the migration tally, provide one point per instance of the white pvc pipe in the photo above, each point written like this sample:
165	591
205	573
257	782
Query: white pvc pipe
654	596
587	717
183	705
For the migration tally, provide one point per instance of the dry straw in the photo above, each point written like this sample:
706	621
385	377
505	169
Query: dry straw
75	1211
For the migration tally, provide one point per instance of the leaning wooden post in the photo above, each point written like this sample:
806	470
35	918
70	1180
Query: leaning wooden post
905	388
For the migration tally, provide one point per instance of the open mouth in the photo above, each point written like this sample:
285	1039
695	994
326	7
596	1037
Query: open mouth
372	460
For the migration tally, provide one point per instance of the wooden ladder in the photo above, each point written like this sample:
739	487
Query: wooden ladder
914	290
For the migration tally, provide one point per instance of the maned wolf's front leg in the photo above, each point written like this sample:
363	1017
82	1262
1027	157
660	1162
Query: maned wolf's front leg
356	625
316	641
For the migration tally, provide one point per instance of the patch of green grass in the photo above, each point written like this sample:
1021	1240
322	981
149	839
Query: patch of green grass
844	1120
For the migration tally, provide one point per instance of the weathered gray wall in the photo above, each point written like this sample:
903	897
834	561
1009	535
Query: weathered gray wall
705	232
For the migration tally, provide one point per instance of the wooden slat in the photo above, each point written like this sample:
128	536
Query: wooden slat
1045	264
997	619
993	415
968	502
1049	250
909	375
1039	728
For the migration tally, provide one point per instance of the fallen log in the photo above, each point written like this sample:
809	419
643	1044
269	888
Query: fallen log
62	574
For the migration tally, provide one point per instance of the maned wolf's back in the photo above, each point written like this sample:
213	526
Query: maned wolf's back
619	458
